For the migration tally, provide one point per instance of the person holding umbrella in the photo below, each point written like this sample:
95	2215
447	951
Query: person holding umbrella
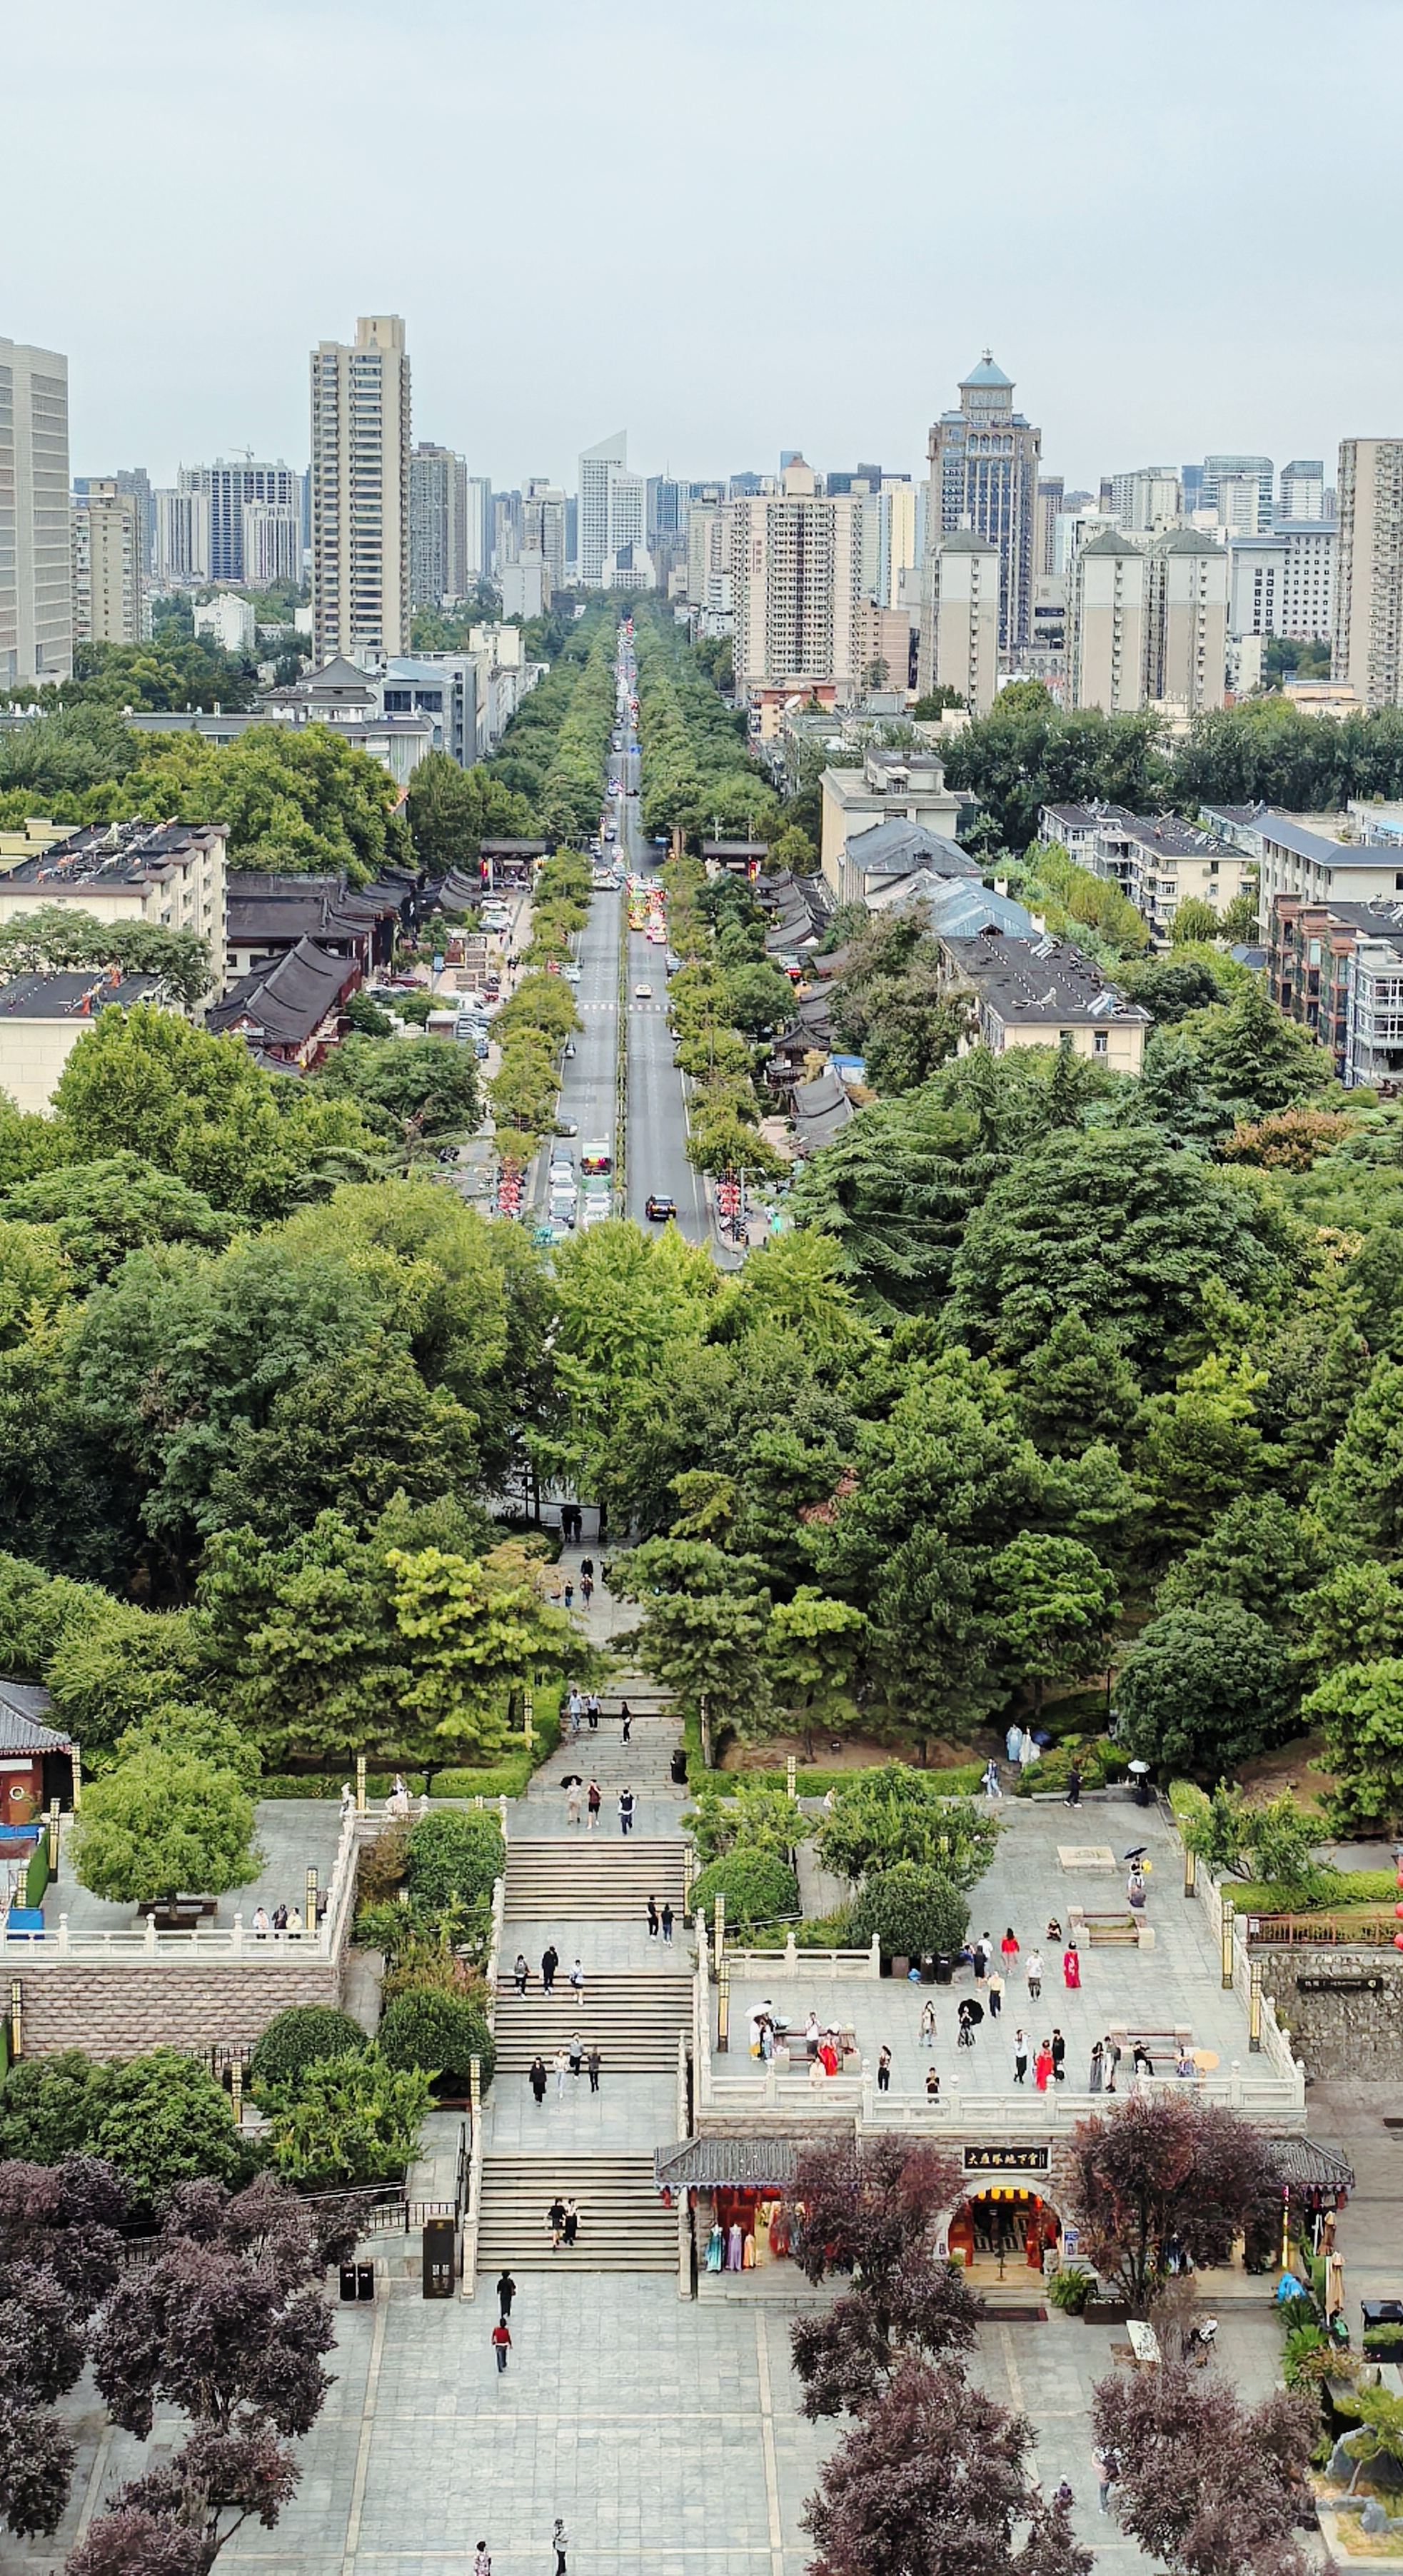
970	2013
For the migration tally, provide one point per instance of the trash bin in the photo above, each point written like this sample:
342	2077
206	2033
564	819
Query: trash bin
927	1968
944	1970
365	2280
348	2280
679	1767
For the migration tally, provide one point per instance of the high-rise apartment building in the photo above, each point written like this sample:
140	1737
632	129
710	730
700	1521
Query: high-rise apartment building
965	593
36	545
984	475
438	510
1147	621
106	540
182	538
477	541
1220	469
596	466
905	540
1050	502
709	549
1367	644
1106	623
271	539
1283	583
543	528
795	571
1149	497
230	489
1302	488
360	492
1188	621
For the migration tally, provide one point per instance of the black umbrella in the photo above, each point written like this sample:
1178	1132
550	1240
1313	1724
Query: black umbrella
573	1780
970	2010
1138	1853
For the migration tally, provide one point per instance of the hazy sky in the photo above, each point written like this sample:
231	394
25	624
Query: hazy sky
732	225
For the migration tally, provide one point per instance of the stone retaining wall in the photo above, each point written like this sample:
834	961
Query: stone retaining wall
1340	2025
163	2003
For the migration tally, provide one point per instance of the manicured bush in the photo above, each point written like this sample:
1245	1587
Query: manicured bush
439	2033
160	2119
758	1887
297	2038
454	1859
913	1909
346	2120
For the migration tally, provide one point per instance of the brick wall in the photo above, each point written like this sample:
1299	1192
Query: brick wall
122	2011
1342	2029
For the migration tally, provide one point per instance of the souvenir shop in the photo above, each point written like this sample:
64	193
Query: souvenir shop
736	2191
1006	2223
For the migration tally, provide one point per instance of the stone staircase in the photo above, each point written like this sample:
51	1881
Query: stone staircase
623	2224
599	1877
634	2020
601	1753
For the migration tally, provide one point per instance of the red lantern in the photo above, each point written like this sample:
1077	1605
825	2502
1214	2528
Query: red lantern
1398	1940
1398	1913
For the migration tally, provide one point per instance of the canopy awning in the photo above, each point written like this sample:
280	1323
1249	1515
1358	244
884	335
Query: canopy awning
1307	2166
707	2164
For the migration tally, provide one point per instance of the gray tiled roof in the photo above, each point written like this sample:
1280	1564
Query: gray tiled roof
706	2163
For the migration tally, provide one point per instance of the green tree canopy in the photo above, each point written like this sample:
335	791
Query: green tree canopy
1204	1690
162	1823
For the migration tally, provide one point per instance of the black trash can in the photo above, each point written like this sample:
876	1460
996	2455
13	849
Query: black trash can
927	1968
365	2280
348	2280
679	1767
944	1970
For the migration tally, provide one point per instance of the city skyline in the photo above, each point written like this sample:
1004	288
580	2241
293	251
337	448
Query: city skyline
1169	323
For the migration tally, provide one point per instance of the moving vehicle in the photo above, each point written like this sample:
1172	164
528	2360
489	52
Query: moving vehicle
595	1212
659	1211
566	1127
571	974
596	1160
643	992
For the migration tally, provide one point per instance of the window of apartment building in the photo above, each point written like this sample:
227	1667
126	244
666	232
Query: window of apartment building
1101	1042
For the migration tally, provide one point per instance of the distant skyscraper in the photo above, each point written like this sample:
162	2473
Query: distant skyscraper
596	465
230	489
1367	645
795	574
272	543
438	497
36	545
1303	488
543	528
1216	469
668	504
360	492
106	565
984	476
477	544
182	537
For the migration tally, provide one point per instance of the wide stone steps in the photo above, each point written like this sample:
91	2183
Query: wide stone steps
633	2020
643	1763
584	1877
623	2224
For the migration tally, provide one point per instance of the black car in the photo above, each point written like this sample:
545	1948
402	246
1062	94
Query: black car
660	1211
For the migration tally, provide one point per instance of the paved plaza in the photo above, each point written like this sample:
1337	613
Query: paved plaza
665	2434
294	1834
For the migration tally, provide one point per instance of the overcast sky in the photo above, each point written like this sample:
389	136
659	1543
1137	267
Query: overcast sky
729	225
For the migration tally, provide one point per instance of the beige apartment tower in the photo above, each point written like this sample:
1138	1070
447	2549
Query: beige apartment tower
106	566
796	561
1148	622
36	551
1107	624
360	493
1367	643
1188	621
962	605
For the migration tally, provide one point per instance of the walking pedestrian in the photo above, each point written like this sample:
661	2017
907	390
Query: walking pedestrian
1059	2052
550	1961
1098	2055
983	1952
966	2020
576	1708
1008	1950
996	1993
570	1595
572	1802
482	2564
572	2221
625	1811
577	2053
521	1972
653	1918
884	2071
501	2342
927	2025
1107	2469
586	1588
592	1703
594	2061
560	2542
667	1922
626	1714
990	1781
1071	1966
506	2292
538	2079
1035	1973
595	1802
1111	2052
1073	1797
555	2221
1020	2057
1042	2067
577	1979
587	1567
1064	2497
562	2065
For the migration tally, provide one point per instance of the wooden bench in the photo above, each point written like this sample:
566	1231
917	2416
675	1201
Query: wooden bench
185	1915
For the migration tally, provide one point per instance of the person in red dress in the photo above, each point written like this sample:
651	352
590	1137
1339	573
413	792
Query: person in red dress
1071	1967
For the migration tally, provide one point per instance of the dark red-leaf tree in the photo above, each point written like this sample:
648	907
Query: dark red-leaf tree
1207	2485
1162	2168
870	2209
59	2254
933	2480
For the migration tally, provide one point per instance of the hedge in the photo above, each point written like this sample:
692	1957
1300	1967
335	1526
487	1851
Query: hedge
758	1887
455	1858
438	2032
297	2038
914	1911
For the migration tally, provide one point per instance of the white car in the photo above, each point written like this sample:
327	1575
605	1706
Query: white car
594	1212
571	974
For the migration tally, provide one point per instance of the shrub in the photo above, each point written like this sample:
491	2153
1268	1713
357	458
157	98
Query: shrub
160	2119
1070	2290
299	2037
346	2121
439	2033
913	1909
1097	1759
454	1859
758	1887
381	1865
1384	2343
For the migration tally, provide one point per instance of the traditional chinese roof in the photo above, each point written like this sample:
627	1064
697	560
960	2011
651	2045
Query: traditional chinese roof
705	2163
1307	2166
23	1708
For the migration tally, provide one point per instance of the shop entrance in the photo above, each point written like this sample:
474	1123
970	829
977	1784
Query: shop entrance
1003	2233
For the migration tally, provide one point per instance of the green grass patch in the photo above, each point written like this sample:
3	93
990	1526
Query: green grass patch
1369	1889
